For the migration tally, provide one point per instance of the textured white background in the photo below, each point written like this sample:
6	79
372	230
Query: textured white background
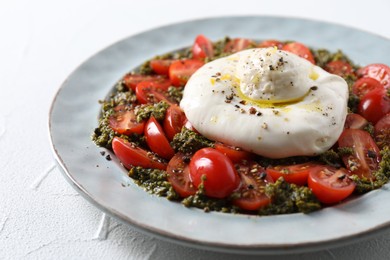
41	42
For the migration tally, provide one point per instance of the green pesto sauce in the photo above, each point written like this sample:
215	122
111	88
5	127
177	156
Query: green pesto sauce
285	197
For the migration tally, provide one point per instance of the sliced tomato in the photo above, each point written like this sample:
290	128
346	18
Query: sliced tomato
156	139
355	121
299	49
364	85
173	121
238	44
365	157
252	189
382	131
330	185
179	175
215	171
161	67
180	71
124	121
131	155
271	43
150	92
235	154
202	48
131	80
339	67
296	174
378	71
374	105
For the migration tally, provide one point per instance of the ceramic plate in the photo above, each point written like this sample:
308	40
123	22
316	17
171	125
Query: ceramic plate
75	111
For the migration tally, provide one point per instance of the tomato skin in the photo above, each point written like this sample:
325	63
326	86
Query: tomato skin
161	67
150	92
378	71
253	181
366	155
187	124
180	71
220	176
299	49
382	131
156	139
131	155
124	121
179	176
271	43
355	121
173	121
131	80
238	44
364	85
339	67
235	154
296	174
330	185
374	105
202	48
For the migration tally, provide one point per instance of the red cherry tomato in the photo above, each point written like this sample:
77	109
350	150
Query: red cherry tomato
355	121
251	191
180	71
382	131
215	171
299	49
271	43
188	125
149	92
156	139
235	154
179	175
296	174
364	85
339	67
131	155
202	48
330	185
374	105
124	121
161	67
173	121
131	80
365	157
238	44
380	72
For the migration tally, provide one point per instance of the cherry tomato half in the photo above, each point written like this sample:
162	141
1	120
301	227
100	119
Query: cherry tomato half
296	174
161	67
131	155
374	105
180	71
299	49
382	131
156	139
355	121
364	85
202	48
235	154
124	121
173	121
365	157
131	80
252	189
339	67
179	175
380	72
238	44
330	185
150	92
271	43
215	171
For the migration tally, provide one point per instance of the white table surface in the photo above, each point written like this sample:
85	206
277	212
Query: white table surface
41	43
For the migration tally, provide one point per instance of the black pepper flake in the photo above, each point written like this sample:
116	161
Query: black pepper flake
108	157
259	114
242	102
371	154
237	106
314	88
271	67
102	153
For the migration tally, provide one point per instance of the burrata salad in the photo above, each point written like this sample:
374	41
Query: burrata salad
255	127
